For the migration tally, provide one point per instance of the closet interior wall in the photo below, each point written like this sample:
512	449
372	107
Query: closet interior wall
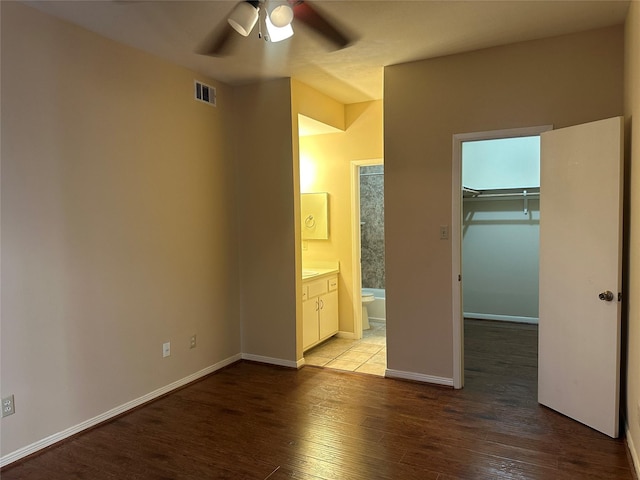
500	254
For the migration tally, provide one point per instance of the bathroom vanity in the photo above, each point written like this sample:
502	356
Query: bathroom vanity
319	306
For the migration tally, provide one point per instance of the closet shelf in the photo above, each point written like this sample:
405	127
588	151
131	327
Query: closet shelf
496	193
525	193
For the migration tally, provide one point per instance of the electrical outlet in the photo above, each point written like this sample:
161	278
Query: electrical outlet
8	406
166	349
192	341
444	232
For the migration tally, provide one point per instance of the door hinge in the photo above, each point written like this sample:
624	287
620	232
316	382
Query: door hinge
459	278
619	296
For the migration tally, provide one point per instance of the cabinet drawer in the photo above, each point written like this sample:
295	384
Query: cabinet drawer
317	287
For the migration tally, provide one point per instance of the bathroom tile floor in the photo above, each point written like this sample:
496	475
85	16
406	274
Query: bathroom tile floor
367	355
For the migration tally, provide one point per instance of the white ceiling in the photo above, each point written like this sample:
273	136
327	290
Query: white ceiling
386	32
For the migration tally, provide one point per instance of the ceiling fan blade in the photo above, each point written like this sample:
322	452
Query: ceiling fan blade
218	42
308	15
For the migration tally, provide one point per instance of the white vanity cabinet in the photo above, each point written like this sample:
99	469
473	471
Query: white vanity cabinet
319	310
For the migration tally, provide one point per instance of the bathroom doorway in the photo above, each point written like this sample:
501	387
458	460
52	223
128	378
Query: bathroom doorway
497	242
364	350
371	249
367	240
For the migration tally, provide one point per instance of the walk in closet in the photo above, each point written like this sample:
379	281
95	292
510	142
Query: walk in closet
500	227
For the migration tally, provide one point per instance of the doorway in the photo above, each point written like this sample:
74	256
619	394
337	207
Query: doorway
363	350
372	254
367	201
495	231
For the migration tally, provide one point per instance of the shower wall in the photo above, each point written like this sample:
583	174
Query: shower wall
372	226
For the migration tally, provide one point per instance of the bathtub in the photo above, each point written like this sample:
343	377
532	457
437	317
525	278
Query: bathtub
377	309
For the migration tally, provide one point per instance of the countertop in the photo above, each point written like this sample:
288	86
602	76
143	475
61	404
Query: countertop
310	273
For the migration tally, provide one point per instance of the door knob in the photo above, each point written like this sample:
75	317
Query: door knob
606	296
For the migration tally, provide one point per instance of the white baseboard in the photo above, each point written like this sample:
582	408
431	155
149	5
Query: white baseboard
114	412
270	360
503	318
418	377
377	319
633	451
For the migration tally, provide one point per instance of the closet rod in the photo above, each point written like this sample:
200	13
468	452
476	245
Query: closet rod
516	194
525	195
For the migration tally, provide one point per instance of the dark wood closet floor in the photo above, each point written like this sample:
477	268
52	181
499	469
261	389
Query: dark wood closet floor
252	421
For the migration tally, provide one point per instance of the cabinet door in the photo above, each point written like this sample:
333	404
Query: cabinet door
310	329
328	314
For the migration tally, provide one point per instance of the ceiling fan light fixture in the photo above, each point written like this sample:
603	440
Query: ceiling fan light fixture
277	34
244	17
281	16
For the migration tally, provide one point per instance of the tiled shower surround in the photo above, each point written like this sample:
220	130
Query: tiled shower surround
372	225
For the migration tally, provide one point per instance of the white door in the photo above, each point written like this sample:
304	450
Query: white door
580	262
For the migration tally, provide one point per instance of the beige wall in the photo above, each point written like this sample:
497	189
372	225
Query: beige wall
561	81
632	112
118	225
266	220
331	155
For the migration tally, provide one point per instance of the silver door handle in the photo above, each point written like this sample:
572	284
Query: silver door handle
606	296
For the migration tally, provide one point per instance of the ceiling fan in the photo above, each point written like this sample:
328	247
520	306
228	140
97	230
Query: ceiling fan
276	16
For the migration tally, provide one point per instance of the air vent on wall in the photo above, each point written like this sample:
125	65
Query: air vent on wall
205	93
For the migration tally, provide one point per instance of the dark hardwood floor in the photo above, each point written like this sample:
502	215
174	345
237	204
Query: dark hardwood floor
252	421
